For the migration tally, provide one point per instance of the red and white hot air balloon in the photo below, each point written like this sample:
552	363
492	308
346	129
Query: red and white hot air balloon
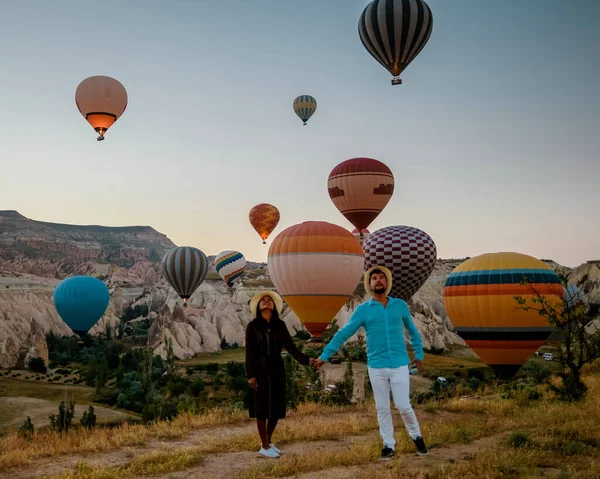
409	253
360	188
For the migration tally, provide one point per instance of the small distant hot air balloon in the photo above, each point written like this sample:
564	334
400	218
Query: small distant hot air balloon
408	252
185	268
315	266
264	218
361	235
394	32
101	100
230	265
305	106
81	301
360	189
479	300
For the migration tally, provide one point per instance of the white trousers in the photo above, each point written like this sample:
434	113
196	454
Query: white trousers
396	379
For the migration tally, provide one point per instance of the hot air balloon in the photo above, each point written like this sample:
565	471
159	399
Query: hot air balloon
361	235
408	252
315	266
185	268
101	100
360	188
81	301
394	32
305	106
230	265
479	300
264	218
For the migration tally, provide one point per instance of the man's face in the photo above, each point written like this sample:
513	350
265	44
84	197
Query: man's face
378	283
266	302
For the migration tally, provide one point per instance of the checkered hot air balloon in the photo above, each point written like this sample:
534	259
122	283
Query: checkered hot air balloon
409	253
230	265
315	266
264	218
360	189
185	268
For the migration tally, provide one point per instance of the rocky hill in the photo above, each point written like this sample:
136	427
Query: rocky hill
35	256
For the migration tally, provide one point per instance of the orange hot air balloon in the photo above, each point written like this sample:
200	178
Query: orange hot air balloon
479	299
315	266
101	100
360	188
264	218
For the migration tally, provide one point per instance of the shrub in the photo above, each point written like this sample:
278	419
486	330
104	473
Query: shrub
37	365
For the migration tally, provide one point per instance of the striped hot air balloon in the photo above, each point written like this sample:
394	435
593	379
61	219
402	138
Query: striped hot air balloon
305	107
360	189
185	268
230	265
264	218
315	266
394	32
409	253
479	300
101	100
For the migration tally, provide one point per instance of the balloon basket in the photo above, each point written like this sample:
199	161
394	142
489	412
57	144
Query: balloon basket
100	138
396	81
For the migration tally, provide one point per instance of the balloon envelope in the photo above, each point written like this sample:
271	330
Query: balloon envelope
185	268
315	266
264	218
479	300
81	301
230	265
305	107
409	253
394	32
101	100
360	189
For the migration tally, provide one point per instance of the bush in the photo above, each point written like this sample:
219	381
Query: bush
519	439
537	372
37	365
303	334
26	430
196	386
235	369
89	418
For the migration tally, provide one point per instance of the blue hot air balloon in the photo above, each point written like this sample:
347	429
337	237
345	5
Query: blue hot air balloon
81	301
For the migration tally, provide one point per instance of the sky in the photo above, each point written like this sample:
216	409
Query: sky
493	138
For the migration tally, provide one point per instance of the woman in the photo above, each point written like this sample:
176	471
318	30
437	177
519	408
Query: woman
266	335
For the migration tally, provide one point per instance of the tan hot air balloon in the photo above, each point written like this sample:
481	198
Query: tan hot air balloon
101	100
315	266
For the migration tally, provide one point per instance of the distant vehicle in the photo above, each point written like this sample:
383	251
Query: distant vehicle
548	357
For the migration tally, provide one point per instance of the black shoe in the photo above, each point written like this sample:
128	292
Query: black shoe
421	447
387	453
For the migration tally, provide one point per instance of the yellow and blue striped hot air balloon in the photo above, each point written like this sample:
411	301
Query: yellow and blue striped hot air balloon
479	300
305	107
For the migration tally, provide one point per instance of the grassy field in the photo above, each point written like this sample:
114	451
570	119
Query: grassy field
20	398
497	435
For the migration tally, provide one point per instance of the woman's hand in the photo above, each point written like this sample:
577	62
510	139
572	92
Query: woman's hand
252	383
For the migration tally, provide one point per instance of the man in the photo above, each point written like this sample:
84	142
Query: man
384	319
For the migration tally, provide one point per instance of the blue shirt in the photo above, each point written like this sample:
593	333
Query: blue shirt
384	327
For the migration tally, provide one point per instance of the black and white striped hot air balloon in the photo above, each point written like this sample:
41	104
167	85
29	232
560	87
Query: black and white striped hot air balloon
394	32
185	268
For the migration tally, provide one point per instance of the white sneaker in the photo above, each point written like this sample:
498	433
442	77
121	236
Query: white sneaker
274	448
268	453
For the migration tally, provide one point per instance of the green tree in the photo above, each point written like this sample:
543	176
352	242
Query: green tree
27	429
581	338
38	365
62	422
88	419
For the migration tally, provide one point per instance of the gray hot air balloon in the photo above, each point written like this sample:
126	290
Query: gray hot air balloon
185	268
394	32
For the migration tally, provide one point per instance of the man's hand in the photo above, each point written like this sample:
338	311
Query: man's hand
312	362
319	362
252	383
418	363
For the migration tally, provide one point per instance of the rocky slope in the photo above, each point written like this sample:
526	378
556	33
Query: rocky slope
35	256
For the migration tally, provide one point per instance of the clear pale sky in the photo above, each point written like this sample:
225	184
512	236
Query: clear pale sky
494	137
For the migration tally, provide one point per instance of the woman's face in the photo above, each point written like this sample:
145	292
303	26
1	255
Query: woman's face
266	302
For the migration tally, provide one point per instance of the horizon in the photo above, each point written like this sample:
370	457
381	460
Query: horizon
492	142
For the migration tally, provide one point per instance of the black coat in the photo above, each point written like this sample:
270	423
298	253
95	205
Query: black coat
264	342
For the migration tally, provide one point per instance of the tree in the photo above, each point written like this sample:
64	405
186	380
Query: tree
170	357
580	338
38	365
